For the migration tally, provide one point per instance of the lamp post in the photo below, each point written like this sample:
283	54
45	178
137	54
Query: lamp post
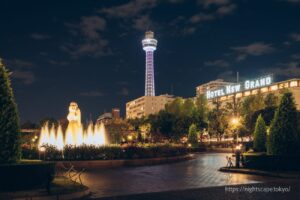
42	149
238	155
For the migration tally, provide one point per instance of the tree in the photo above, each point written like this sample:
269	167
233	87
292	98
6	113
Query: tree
188	107
202	107
284	135
250	105
175	107
162	123
193	136
271	100
217	120
260	135
200	115
9	121
116	129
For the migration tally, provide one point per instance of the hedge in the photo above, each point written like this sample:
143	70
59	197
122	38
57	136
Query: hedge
271	162
27	175
110	152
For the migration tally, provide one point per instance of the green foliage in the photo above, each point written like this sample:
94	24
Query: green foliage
175	120
249	106
188	107
110	152
260	135
116	129
193	135
175	107
284	135
202	107
271	100
217	120
9	121
266	113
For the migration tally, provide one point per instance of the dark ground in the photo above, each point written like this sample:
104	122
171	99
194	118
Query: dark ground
215	193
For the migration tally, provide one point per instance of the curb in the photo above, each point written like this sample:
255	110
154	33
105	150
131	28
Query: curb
258	172
107	164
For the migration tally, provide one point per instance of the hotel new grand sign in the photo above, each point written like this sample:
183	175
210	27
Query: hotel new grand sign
239	87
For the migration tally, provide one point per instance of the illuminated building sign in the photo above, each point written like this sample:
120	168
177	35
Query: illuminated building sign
234	88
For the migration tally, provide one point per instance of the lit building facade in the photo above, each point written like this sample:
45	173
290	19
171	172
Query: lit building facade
263	85
147	105
212	85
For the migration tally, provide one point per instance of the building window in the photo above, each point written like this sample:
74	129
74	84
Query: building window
254	91
265	89
274	87
247	93
294	83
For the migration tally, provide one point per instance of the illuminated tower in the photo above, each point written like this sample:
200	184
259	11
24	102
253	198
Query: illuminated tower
149	45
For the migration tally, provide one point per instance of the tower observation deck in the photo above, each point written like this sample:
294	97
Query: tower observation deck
149	45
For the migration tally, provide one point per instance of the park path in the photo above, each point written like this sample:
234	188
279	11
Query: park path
198	173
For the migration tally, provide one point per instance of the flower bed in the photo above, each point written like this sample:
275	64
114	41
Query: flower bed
110	152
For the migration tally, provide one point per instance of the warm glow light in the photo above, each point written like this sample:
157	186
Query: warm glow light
42	149
234	120
129	137
238	147
59	139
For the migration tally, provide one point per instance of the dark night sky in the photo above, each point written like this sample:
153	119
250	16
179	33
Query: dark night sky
90	51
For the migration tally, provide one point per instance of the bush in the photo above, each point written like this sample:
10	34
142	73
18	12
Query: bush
284	135
193	136
26	175
260	135
110	152
271	162
9	121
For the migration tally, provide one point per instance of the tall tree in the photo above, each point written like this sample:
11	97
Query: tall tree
250	105
217	122
175	107
188	107
260	135
271	100
9	120
193	136
284	136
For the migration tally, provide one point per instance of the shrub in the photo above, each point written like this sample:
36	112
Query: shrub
271	162
193	136
26	175
283	131
110	152
9	121
260	134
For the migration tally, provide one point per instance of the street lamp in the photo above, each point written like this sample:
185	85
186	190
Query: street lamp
42	149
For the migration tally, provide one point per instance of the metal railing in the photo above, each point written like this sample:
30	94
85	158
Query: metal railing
72	173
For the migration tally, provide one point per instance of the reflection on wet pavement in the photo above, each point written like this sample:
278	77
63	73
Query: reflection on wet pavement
200	172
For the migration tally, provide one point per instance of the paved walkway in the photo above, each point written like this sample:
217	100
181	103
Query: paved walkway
198	173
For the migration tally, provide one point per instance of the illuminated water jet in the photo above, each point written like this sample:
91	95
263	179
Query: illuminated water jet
75	134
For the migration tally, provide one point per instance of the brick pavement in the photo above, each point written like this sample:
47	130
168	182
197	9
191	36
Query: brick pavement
198	173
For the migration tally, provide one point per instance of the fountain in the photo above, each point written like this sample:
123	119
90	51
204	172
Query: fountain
75	134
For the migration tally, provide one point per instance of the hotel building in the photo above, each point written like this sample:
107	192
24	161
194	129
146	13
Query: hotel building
201	89
146	105
264	85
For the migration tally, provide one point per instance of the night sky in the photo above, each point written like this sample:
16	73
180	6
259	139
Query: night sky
90	51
